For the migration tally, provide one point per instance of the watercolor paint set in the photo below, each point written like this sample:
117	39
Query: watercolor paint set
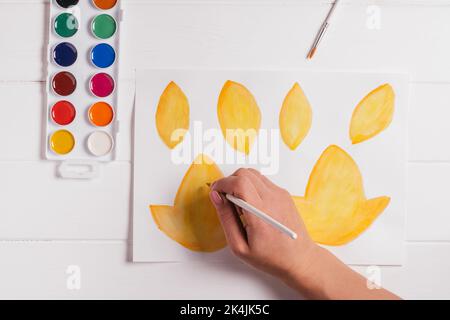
82	80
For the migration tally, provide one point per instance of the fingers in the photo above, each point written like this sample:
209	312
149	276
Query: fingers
238	186
261	188
231	224
241	187
269	184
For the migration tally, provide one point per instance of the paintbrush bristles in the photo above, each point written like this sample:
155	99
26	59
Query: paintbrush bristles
322	31
312	53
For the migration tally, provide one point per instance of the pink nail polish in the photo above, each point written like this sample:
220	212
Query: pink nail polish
216	198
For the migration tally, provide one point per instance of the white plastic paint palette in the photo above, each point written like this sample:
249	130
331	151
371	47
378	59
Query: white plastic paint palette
83	66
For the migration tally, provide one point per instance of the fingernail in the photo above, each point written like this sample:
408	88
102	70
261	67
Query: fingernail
216	198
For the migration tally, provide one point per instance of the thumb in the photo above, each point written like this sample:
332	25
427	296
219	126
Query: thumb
231	224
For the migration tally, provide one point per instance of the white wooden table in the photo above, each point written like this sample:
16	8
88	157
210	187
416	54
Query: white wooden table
51	230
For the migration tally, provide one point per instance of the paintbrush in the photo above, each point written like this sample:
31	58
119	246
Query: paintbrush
322	30
260	214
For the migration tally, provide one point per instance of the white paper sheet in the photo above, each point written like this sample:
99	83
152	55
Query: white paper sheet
333	97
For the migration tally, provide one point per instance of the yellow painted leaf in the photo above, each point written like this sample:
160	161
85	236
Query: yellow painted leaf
172	115
239	116
192	221
171	222
295	117
335	209
373	114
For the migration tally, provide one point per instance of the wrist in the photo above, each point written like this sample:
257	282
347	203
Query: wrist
306	274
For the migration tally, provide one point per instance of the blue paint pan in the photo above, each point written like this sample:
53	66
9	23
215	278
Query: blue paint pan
65	54
103	55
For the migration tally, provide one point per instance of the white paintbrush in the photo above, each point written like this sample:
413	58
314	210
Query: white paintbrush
263	216
258	213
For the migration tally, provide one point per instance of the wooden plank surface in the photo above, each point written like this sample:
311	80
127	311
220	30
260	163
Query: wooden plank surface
255	34
42	270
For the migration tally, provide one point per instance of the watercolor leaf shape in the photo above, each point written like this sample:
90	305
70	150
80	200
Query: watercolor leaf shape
192	220
334	208
239	116
172	115
373	114
295	117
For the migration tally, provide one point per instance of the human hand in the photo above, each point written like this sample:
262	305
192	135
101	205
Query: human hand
300	263
255	241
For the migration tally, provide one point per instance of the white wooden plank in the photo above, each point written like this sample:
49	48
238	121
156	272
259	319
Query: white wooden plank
428	213
209	33
21	119
280	2
234	35
384	2
100	209
429	129
24	45
23	114
425	273
38	271
279	36
23	111
37	205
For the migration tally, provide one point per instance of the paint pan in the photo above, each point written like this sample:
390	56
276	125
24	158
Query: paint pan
66	25
100	143
65	4
105	4
63	113
83	73
104	26
62	142
65	54
103	55
64	83
102	85
101	114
